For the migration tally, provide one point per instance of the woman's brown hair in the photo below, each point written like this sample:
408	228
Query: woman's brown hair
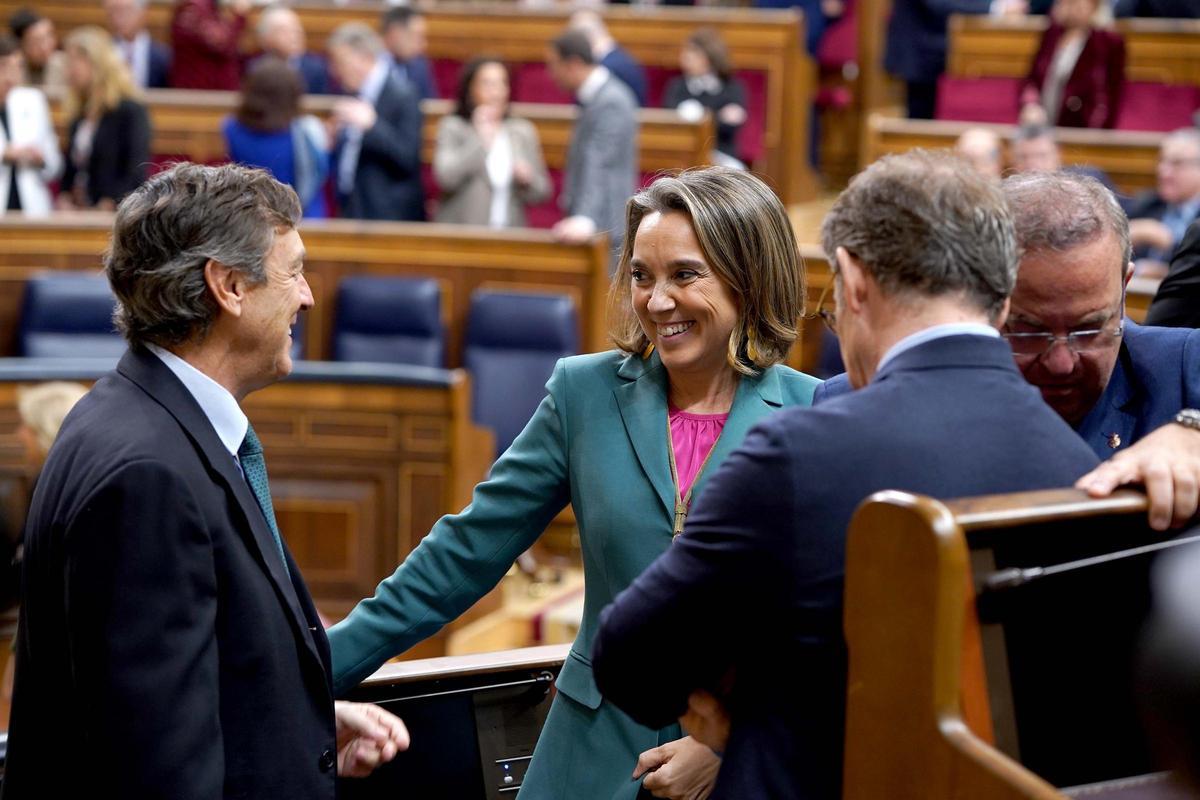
746	237
271	93
709	42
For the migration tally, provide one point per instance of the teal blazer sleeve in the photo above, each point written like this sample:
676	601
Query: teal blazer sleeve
466	554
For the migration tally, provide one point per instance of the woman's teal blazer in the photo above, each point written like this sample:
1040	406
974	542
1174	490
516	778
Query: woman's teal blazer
599	442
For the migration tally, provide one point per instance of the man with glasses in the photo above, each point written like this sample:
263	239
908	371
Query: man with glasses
1111	379
1159	218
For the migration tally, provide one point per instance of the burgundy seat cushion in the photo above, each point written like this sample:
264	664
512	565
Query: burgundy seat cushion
1157	106
531	83
977	99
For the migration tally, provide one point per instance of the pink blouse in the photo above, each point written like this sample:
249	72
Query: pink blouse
693	436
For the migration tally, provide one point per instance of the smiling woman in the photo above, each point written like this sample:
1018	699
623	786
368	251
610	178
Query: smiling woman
705	305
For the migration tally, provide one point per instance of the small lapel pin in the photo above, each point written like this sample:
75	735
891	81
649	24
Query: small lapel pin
1114	441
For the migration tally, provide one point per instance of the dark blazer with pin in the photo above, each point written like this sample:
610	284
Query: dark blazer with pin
599	442
163	647
751	593
1157	373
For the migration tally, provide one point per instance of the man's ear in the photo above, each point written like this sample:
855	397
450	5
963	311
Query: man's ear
1002	315
226	285
854	279
1128	273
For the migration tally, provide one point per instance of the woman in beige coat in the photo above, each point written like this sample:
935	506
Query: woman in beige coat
487	164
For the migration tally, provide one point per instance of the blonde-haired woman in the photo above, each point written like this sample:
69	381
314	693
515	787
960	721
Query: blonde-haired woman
108	143
705	303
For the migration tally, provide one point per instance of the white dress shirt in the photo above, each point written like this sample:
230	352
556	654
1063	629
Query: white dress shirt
218	405
936	332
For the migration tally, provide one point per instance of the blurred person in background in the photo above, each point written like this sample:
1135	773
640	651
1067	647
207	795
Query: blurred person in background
29	154
45	64
609	54
404	32
983	150
377	131
205	36
1158	218
281	34
1078	73
108	141
149	61
268	131
707	82
1034	149
487	164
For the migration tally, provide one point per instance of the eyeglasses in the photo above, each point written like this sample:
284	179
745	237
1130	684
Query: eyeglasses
827	316
1034	345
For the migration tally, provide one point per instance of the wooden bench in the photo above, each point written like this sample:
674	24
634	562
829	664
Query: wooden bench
187	124
919	724
1157	50
363	462
462	258
766	41
1129	157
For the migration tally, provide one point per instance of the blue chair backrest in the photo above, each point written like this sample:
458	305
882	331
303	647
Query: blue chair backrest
68	314
392	320
513	343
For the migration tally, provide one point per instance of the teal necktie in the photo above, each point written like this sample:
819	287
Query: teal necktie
254	467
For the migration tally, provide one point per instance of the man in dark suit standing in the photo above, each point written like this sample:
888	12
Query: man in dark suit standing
746	604
609	54
163	622
149	61
403	29
602	159
378	131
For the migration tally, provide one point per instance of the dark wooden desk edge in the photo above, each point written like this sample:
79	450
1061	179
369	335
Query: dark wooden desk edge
544	657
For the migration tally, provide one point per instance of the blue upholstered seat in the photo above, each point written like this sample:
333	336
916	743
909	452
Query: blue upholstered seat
513	343
392	320
68	314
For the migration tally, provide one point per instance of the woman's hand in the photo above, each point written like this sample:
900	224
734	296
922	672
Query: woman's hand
522	173
1033	115
367	736
682	770
487	120
732	114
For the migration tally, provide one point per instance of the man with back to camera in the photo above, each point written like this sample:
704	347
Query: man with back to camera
942	410
167	639
602	159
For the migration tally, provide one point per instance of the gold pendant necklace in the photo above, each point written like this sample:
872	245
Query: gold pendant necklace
682	504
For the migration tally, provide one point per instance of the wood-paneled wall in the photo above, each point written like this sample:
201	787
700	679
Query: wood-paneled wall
770	41
1157	50
462	258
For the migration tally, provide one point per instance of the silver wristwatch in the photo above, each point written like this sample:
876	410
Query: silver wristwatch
1189	418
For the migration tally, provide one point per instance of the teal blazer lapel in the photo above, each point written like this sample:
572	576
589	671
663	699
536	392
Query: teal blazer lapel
756	398
643	405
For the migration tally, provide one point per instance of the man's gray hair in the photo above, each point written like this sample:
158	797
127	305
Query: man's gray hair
1059	211
270	14
167	229
926	224
358	37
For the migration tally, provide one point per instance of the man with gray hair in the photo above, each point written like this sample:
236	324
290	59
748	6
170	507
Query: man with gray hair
378	130
1112	380
163	620
1159	218
281	34
149	61
924	258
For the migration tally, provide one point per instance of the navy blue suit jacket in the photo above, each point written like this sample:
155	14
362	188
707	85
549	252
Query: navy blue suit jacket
1157	373
315	73
754	584
158	76
628	70
387	181
916	36
419	74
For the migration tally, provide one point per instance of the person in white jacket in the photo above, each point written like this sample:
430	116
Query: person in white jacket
30	158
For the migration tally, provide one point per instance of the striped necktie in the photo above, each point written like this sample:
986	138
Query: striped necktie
254	467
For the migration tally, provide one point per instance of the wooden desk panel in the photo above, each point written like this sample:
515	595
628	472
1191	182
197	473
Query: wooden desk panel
1129	157
462	258
1157	50
770	41
359	474
187	124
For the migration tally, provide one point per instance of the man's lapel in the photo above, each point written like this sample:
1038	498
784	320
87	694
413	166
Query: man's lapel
1112	422
157	380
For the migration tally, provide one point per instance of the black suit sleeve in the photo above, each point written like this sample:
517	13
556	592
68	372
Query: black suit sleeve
120	153
141	614
396	135
1177	302
680	624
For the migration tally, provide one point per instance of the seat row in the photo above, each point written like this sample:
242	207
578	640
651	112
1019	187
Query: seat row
512	341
